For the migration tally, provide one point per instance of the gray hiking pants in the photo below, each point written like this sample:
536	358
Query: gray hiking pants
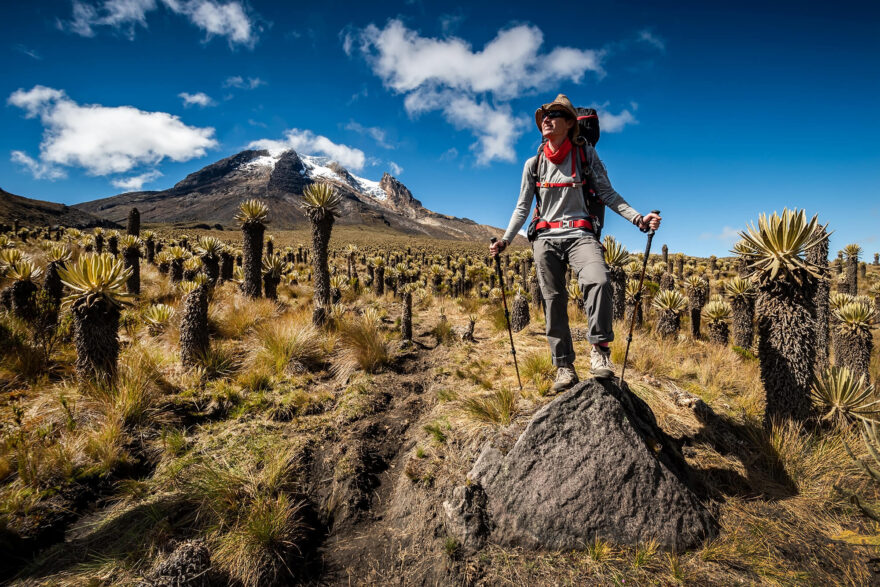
587	261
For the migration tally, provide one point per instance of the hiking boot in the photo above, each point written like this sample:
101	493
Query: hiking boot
600	363
566	376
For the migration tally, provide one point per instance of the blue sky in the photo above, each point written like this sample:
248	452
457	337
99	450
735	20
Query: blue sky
713	111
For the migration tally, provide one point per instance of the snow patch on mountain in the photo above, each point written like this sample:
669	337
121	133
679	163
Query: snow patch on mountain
319	168
316	167
371	188
264	161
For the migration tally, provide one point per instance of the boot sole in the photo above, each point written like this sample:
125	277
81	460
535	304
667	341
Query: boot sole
564	388
602	373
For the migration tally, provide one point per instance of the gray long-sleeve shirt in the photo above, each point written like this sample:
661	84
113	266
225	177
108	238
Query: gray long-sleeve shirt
564	203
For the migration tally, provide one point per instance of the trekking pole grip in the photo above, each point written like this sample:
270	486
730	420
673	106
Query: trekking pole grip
650	231
497	258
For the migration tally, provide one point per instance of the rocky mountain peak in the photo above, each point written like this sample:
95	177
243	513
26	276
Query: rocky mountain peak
343	173
289	174
399	196
206	176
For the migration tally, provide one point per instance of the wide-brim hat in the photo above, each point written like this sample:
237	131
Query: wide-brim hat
560	103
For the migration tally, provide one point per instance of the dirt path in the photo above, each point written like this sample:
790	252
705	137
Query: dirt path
381	526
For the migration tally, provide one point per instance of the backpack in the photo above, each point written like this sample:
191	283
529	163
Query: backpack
588	130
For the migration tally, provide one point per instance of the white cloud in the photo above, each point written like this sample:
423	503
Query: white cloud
123	15
377	134
450	154
508	65
108	139
650	38
84	16
236	81
136	182
472	88
229	20
226	20
609	122
363	93
495	127
308	143
36	100
199	99
37	169
348	38
396	169
29	52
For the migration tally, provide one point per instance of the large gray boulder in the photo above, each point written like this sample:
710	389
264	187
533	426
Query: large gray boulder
592	463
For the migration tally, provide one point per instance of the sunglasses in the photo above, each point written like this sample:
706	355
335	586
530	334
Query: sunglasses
553	114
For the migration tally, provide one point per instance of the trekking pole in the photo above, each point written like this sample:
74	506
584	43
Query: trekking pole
638	297
506	313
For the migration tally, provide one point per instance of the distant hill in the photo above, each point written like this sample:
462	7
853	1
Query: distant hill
212	195
31	212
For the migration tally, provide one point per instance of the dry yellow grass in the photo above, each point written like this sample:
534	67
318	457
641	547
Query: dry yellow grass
362	345
233	315
289	344
779	519
782	497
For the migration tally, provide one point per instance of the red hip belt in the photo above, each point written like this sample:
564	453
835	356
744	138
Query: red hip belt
564	224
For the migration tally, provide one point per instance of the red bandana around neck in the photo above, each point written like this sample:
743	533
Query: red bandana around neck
560	154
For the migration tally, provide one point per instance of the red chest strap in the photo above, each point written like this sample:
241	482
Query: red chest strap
568	184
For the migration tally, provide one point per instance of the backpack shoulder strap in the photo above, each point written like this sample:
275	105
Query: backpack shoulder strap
586	171
536	165
533	169
536	162
582	160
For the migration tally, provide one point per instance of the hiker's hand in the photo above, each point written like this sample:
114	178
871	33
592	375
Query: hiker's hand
651	221
497	247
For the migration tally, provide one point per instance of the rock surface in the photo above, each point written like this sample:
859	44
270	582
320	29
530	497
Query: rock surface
288	175
189	564
400	199
466	517
592	463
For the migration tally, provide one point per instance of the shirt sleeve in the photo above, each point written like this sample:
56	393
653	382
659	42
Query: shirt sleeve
523	204
604	190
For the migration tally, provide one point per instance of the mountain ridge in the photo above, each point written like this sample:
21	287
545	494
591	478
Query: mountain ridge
32	212
212	195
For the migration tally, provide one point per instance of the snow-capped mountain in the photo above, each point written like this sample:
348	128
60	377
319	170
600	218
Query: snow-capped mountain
212	195
324	168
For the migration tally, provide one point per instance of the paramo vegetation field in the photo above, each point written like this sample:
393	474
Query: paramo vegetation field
223	407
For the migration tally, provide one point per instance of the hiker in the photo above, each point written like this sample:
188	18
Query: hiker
564	232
